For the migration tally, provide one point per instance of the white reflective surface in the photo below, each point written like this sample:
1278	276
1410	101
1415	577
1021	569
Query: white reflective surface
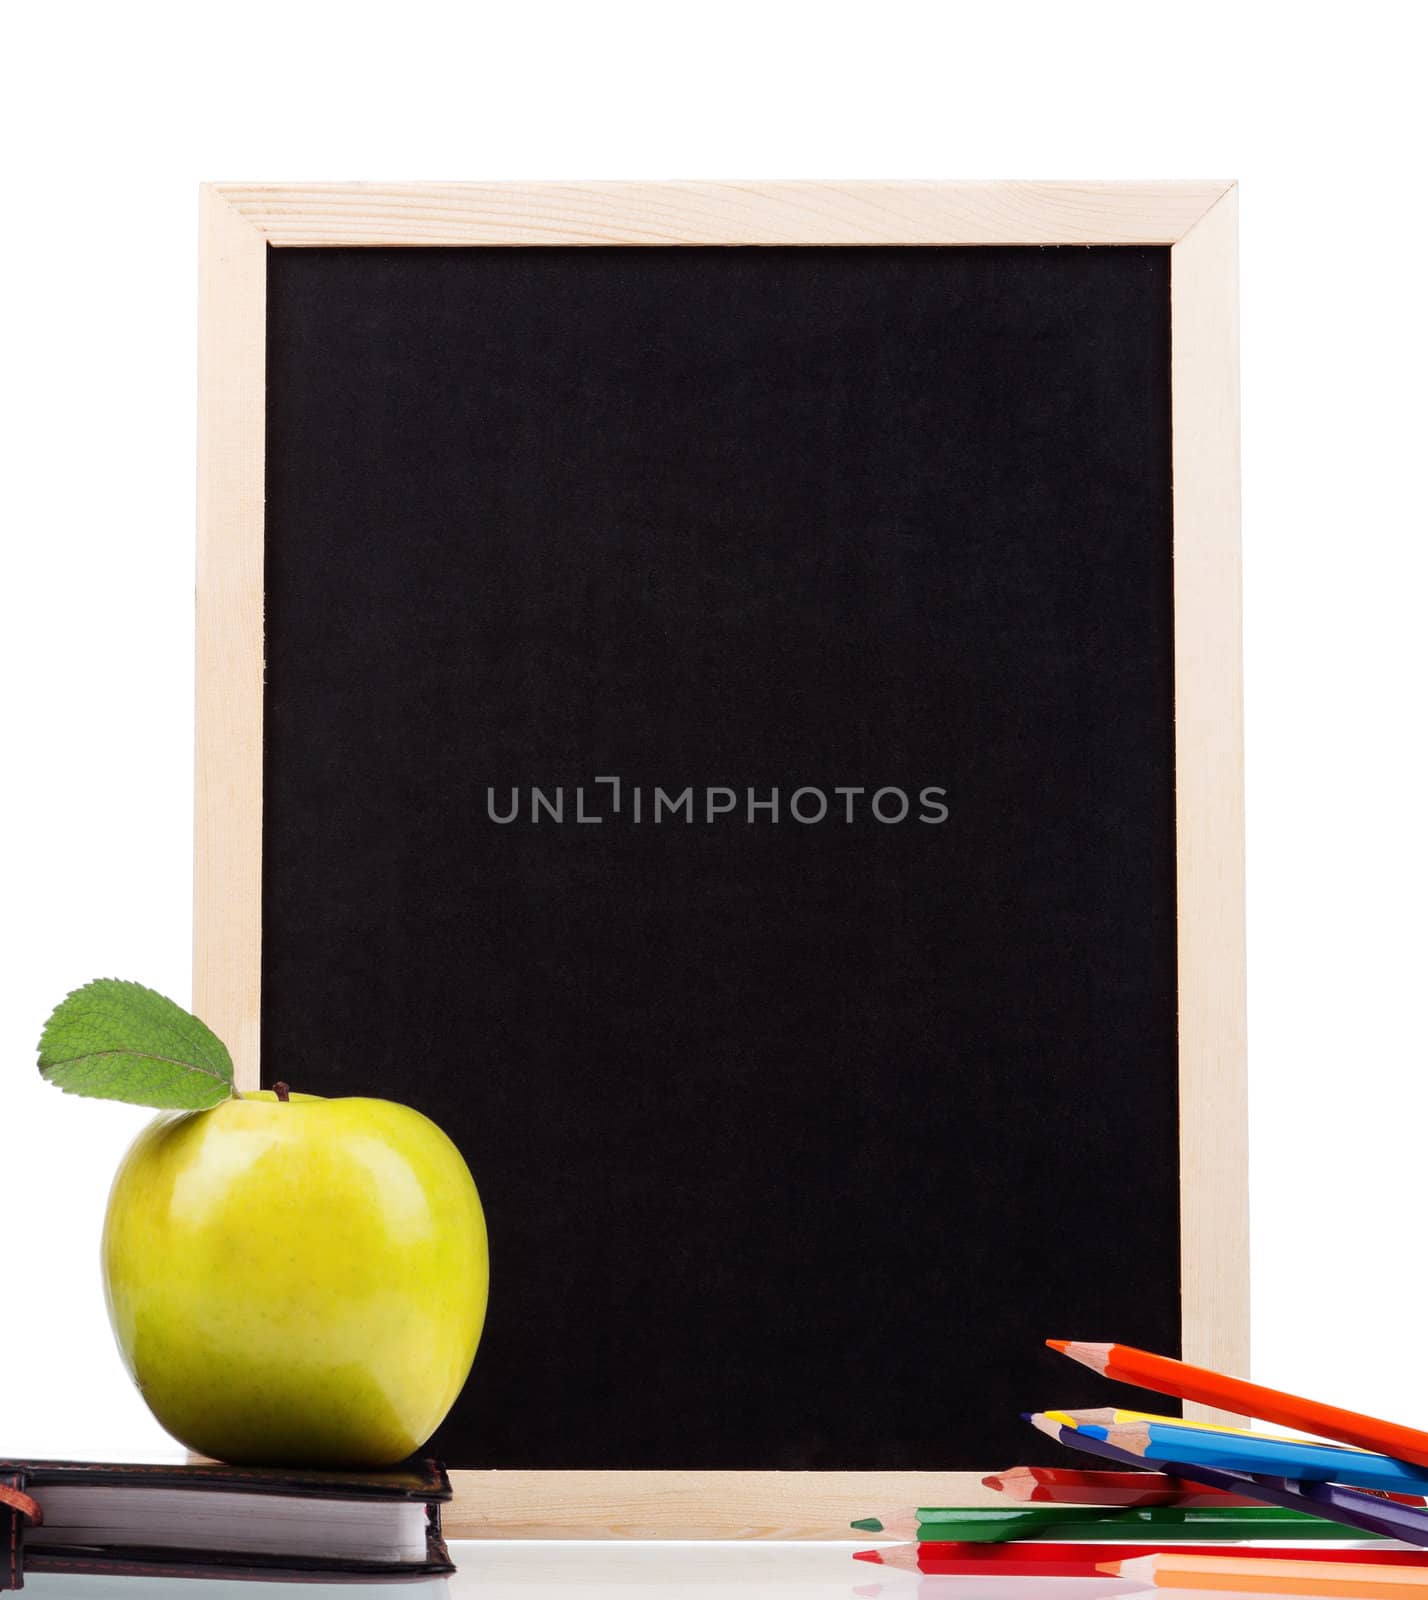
576	1570
605	1570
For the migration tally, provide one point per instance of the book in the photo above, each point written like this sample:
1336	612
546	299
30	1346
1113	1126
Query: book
214	1521
117	1586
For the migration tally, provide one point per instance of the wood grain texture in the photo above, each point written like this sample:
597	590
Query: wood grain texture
1209	795
722	213
228	734
1198	219
693	1505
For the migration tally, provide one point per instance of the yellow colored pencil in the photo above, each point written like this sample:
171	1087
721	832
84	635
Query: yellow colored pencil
1109	1416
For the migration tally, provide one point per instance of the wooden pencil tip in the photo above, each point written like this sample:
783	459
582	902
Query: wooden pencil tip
1043	1424
867	1525
868	1555
1095	1356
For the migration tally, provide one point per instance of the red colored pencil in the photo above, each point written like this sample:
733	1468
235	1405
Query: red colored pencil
1045	1559
1068	1487
1123	1363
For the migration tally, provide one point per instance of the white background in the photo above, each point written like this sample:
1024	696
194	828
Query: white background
115	113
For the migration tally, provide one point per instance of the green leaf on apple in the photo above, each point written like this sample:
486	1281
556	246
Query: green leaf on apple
114	1040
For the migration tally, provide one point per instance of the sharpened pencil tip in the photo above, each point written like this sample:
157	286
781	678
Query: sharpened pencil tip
1043	1424
868	1555
1060	1346
867	1525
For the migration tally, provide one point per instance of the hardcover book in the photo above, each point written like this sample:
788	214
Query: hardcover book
214	1521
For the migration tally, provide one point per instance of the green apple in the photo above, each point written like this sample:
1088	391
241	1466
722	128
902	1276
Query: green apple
296	1282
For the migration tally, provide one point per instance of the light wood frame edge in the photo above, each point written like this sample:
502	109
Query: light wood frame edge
228	689
1198	222
1209	794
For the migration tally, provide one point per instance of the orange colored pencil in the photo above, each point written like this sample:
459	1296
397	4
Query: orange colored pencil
1124	1364
1368	1581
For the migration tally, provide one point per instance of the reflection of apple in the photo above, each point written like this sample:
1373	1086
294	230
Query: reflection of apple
297	1283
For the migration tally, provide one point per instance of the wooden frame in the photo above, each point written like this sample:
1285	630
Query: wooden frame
1197	220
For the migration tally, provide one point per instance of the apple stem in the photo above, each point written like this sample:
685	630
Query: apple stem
281	1090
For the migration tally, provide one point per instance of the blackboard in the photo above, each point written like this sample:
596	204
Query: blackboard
719	761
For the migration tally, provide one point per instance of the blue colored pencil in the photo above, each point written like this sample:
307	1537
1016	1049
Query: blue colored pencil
1355	1510
1242	1452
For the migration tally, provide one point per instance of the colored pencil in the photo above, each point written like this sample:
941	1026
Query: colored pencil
1356	1581
1107	1415
975	1523
1048	1559
1365	1513
1118	1414
993	1524
1237	1452
1067	1486
1125	1364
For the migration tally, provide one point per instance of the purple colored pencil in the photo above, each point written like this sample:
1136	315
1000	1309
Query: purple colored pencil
1352	1507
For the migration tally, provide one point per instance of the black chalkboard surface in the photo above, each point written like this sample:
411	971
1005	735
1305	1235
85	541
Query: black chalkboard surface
835	1065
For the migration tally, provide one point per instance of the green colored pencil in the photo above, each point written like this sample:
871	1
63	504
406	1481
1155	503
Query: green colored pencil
993	1524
